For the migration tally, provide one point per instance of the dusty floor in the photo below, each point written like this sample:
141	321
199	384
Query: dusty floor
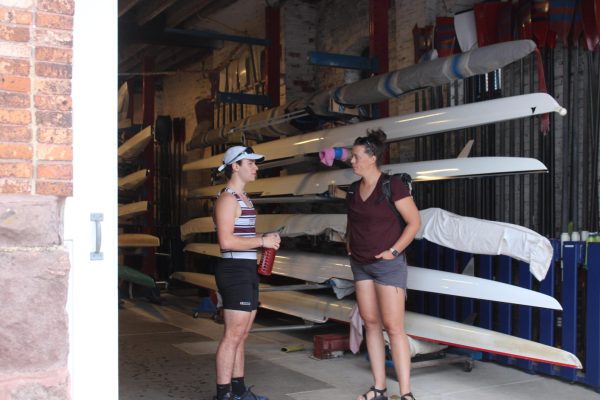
164	353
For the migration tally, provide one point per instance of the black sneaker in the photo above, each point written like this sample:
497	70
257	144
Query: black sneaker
248	395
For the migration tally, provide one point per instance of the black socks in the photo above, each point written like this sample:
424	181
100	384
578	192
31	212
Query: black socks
238	387
222	390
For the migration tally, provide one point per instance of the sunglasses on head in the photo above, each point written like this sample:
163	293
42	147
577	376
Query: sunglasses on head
365	141
247	150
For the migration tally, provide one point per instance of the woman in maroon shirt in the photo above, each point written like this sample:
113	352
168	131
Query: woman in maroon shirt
376	240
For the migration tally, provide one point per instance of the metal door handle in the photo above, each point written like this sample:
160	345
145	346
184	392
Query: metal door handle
97	218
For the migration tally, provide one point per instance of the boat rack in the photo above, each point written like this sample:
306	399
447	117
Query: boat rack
445	357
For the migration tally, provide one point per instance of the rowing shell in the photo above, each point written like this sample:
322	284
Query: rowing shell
276	121
320	308
132	209
138	240
288	225
471	235
135	145
320	268
132	181
318	182
403	126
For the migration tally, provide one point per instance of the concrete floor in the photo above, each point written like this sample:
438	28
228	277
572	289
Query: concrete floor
166	354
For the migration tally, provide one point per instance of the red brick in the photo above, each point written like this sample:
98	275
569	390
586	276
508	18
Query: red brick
52	86
16	170
14	34
53	37
54	188
15	83
16	151
14	185
53	54
55	135
53	103
14	100
54	152
55	171
15	117
48	70
9	66
54	119
12	16
57	21
57	6
15	133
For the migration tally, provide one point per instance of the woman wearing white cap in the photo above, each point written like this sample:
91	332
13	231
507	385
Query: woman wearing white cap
236	276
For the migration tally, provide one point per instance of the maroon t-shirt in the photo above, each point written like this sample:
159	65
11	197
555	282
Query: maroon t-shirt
373	225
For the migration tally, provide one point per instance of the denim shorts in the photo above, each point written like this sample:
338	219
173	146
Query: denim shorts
384	272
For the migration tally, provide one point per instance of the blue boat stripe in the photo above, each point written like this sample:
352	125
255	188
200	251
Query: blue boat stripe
455	70
387	85
336	95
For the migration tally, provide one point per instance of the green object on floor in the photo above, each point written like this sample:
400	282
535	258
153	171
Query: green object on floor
135	276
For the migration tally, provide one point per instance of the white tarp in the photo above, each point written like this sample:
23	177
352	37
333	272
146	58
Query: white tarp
480	236
471	235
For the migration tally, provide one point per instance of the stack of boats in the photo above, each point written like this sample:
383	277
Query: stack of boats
128	152
450	230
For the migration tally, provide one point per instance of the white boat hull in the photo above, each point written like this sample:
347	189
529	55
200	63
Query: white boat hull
134	180
318	182
402	127
132	209
135	145
288	225
138	240
320	308
320	268
471	235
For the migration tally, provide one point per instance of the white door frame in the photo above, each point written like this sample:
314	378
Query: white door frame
92	301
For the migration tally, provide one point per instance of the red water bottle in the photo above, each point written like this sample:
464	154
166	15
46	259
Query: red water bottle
265	266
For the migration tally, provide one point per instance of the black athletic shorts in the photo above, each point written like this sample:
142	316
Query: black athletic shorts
237	282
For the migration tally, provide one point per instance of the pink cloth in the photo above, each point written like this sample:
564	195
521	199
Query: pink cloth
328	154
356	329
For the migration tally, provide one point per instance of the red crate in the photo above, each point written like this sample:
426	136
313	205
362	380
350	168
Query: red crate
325	345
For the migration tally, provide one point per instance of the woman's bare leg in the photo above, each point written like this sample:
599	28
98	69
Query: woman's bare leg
368	306
391	306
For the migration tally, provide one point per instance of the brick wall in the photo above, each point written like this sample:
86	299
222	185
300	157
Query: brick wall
35	175
35	96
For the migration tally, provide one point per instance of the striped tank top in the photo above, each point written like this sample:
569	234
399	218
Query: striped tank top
244	226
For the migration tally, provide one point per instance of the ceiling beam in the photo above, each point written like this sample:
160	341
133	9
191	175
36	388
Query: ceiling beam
202	34
183	10
129	34
126	5
151	10
189	9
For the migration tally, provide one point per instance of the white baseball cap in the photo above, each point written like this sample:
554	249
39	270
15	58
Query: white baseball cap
237	153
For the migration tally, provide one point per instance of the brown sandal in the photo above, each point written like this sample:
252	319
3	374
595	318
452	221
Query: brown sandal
407	396
379	394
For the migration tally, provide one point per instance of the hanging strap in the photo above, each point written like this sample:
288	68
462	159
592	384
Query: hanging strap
544	118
